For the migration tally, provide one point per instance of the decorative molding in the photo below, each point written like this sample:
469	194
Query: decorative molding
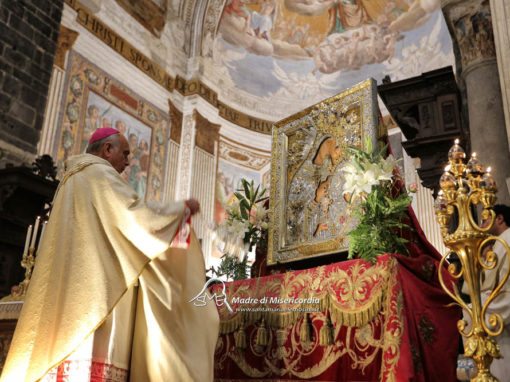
52	111
197	87
207	133
175	122
149	14
186	156
172	168
202	188
159	75
188	22
210	26
66	39
477	65
243	155
121	46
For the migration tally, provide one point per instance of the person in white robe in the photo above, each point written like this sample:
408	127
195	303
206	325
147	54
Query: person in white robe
108	299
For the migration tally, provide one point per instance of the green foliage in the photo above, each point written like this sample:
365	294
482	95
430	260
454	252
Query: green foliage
249	198
380	222
249	217
232	268
380	214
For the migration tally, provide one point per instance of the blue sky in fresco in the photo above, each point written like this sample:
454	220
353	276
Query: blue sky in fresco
254	73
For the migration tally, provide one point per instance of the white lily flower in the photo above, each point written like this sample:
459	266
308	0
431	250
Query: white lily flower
234	208
349	183
389	164
260	213
367	182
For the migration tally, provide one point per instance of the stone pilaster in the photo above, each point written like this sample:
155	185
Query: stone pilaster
470	24
187	144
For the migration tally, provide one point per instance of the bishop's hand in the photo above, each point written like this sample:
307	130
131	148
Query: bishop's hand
193	205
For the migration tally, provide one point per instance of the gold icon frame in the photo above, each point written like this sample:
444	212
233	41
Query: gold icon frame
298	140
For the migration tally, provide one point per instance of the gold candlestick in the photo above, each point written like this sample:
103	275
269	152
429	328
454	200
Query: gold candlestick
27	262
462	187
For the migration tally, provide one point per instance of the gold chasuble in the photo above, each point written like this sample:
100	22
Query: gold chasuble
103	245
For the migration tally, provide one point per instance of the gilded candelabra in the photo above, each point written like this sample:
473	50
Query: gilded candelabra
464	187
27	262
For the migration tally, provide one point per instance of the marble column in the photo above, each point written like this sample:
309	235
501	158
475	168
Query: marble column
501	25
470	24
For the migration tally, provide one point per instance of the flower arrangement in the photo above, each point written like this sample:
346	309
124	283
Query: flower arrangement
245	228
369	186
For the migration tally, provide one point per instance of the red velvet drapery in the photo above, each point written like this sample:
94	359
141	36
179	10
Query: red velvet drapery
387	322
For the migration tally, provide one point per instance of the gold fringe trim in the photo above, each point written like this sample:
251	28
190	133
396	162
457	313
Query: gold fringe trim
240	338
305	334
338	315
327	332
262	339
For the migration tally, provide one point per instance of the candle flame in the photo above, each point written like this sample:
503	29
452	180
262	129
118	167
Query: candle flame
473	155
489	169
457	141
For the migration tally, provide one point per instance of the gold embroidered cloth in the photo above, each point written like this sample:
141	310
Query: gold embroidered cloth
350	321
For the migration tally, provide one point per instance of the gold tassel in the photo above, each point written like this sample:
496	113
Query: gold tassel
281	339
240	337
262	334
326	334
306	333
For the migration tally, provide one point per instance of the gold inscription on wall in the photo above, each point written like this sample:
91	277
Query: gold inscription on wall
158	74
125	49
244	120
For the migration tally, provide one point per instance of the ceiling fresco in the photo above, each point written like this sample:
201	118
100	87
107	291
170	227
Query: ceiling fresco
274	57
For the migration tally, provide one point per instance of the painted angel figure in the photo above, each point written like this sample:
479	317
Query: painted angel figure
262	22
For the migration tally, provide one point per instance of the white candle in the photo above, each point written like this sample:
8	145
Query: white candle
42	234
27	240
36	229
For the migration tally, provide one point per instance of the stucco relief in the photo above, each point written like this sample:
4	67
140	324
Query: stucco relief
211	22
243	156
185	156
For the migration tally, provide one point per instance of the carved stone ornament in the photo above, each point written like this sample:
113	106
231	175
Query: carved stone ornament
66	39
471	24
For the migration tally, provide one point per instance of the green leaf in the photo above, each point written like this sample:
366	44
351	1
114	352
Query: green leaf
239	196
245	209
254	195
246	188
368	144
382	152
262	199
358	166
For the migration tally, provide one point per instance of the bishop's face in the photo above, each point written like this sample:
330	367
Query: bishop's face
119	153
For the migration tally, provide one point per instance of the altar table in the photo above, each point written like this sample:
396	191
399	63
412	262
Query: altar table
348	321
